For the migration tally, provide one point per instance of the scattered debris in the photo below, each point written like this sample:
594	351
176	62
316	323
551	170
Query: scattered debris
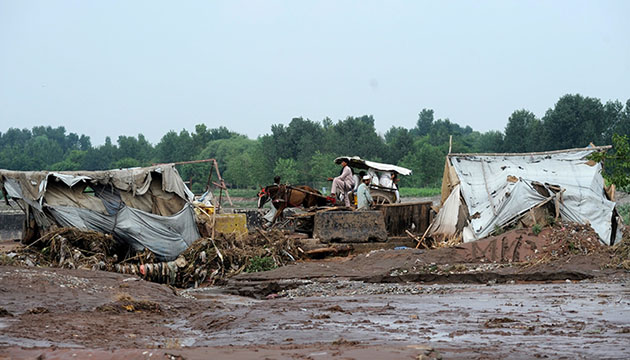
621	252
567	240
38	310
125	303
498	322
206	259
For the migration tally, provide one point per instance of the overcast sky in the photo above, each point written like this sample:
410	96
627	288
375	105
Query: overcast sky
109	68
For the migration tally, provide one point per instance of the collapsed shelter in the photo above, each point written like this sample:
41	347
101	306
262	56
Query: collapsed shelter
482	193
142	207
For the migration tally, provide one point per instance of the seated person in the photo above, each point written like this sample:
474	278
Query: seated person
364	198
373	177
395	180
358	179
386	179
343	183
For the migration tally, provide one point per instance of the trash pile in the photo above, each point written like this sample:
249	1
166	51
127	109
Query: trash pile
568	239
206	260
71	248
621	251
229	254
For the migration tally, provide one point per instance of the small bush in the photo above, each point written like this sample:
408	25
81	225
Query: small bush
536	229
257	264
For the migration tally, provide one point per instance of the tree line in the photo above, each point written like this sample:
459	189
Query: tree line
303	150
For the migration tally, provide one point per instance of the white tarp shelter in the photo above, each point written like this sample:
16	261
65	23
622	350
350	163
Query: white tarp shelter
483	192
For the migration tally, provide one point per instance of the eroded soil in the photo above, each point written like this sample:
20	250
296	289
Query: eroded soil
325	309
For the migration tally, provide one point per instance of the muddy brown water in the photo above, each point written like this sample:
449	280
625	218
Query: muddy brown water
574	319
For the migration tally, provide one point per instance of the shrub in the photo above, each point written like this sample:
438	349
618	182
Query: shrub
257	264
536	229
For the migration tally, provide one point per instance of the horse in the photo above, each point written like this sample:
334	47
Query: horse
283	196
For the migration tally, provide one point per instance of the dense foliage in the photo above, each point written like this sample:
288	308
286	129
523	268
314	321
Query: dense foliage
303	151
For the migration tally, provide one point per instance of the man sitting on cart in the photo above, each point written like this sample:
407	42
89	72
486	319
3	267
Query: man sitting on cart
343	183
364	198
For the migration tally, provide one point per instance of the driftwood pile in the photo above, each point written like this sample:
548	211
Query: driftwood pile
72	248
206	260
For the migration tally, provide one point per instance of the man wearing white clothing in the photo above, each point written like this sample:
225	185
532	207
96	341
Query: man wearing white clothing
364	198
343	183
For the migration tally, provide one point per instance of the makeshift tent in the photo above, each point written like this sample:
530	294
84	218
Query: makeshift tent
484	192
143	207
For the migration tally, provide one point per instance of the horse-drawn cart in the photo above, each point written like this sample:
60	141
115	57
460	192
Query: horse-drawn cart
382	187
330	223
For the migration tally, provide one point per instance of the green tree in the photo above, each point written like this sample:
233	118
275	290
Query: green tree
175	147
424	123
519	131
131	148
426	162
616	163
71	162
126	163
322	166
101	157
357	136
490	142
618	118
238	170
399	142
575	121
287	169
233	156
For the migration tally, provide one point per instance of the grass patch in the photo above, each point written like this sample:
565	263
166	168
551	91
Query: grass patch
248	193
240	204
536	229
257	264
419	192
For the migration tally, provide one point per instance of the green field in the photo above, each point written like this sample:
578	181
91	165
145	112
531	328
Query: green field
246	193
419	192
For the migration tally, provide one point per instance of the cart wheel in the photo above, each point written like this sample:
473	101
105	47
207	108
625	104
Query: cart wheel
380	199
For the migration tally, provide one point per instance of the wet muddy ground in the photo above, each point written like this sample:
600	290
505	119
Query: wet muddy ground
60	313
557	294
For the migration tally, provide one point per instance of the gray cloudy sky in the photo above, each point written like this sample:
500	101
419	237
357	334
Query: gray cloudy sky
109	68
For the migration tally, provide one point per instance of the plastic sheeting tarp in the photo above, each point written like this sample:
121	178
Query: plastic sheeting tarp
497	188
358	163
145	207
166	236
135	180
451	217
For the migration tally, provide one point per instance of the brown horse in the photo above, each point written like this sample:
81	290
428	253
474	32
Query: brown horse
284	196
